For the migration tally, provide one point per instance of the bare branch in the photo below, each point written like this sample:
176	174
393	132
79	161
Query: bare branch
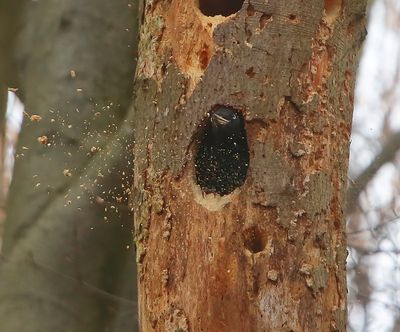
386	155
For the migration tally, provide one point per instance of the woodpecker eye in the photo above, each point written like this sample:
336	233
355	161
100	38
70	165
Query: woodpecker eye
222	157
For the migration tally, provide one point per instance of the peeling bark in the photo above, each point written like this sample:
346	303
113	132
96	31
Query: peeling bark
271	255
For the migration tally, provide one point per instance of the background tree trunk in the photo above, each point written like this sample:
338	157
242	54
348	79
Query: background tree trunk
65	259
3	109
9	25
271	255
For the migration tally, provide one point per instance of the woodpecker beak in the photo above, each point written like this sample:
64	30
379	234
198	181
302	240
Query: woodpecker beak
219	120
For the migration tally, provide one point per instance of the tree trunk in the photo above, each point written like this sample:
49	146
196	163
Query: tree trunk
9	25
65	259
269	255
3	109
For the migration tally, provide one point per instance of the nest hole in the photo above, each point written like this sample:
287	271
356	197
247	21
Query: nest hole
220	7
255	239
222	156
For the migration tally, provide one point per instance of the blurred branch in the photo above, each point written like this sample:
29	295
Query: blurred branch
375	228
386	304
369	252
82	283
360	183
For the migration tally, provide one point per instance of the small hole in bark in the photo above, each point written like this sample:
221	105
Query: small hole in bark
250	72
222	156
292	17
264	19
254	239
250	10
220	7
204	56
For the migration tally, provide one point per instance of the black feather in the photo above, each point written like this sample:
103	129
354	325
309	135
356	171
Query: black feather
222	157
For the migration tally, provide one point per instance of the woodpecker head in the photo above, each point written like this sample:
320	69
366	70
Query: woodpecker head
225	121
223	116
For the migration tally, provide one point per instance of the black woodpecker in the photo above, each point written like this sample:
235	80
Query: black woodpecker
222	157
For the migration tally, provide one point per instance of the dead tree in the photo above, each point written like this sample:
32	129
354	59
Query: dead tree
266	252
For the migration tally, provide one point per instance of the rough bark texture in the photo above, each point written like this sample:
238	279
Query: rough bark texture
65	257
271	255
